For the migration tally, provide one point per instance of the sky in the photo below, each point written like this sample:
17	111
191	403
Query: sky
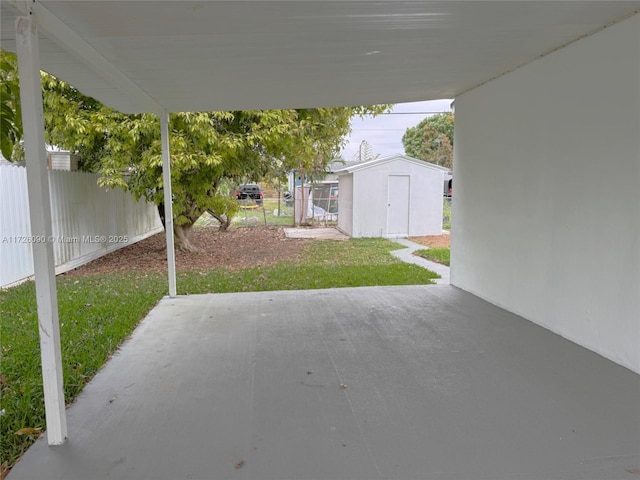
384	132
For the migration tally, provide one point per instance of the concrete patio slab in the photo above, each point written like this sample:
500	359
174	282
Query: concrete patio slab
418	382
320	233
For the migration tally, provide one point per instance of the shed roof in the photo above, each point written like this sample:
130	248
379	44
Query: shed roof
384	160
154	56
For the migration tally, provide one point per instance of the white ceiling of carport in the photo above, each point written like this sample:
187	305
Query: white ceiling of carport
143	56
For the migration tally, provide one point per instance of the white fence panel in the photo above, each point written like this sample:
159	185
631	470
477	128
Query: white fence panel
16	259
87	221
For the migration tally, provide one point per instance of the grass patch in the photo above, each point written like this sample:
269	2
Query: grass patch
439	254
446	214
96	315
252	216
98	312
326	264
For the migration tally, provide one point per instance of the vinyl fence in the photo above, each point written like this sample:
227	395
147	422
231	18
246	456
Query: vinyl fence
87	221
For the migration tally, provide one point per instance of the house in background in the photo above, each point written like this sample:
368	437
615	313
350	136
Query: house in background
394	197
62	160
56	160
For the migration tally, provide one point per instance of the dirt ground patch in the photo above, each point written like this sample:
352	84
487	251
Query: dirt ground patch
234	249
238	247
433	241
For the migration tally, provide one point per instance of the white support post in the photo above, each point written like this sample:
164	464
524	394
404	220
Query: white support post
40	217
168	202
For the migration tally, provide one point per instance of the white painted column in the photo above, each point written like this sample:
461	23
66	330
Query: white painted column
40	217
168	202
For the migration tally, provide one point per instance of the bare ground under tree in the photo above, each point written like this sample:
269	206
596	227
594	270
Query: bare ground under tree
233	249
236	248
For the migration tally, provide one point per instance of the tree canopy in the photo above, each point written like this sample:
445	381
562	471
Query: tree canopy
431	139
10	112
210	151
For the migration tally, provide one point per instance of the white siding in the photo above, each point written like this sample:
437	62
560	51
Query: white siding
369	203
79	209
345	203
370	198
546	219
62	161
16	259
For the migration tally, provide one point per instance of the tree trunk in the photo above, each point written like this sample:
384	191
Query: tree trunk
181	236
224	220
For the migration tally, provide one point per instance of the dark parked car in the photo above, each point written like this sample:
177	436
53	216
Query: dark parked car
250	190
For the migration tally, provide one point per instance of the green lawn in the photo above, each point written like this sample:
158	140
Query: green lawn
253	214
440	254
98	312
446	214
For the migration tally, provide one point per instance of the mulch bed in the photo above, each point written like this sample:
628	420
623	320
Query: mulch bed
236	248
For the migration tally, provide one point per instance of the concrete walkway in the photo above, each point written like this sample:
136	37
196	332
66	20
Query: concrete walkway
417	382
406	255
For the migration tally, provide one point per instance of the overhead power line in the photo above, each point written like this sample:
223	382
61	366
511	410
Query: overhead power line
416	113
379	129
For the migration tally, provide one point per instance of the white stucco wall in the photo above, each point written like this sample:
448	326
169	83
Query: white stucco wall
370	196
546	219
345	203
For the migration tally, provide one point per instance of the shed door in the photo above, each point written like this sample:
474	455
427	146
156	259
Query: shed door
398	205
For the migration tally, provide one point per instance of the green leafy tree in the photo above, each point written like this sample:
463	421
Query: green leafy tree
210	151
10	112
431	139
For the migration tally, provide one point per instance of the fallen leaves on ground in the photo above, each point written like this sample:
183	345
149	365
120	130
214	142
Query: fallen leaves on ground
29	431
236	248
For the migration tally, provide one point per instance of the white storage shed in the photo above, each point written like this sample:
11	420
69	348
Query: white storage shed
394	197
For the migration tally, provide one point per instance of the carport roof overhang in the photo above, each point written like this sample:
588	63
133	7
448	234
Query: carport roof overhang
153	56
